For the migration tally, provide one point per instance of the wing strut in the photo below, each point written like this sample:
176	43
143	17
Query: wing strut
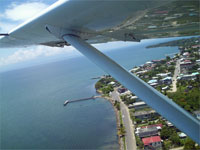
4	34
163	105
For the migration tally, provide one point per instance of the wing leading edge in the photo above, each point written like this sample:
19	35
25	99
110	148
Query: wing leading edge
103	21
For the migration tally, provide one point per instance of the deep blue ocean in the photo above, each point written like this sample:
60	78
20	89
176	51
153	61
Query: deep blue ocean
32	115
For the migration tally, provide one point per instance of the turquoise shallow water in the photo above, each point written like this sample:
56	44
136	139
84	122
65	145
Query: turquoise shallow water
31	107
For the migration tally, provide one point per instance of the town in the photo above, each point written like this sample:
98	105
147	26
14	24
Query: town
176	77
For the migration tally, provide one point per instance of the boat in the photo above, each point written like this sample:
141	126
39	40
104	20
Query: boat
66	102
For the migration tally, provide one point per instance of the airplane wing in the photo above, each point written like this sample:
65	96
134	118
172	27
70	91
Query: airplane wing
103	21
81	22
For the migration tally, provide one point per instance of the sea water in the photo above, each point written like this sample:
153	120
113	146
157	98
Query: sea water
32	115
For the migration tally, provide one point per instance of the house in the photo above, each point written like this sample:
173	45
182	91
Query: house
169	124
186	55
145	114
163	75
156	61
182	135
169	18
186	65
195	73
146	132
139	105
135	98
197	113
152	81
141	72
121	90
154	142
187	77
149	63
127	92
198	61
154	84
195	46
167	80
152	27
134	69
112	83
158	126
154	78
165	88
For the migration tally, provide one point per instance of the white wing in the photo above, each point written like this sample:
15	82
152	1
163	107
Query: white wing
74	22
102	21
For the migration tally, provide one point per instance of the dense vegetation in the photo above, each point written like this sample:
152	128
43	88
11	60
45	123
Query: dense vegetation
182	43
127	100
186	96
103	85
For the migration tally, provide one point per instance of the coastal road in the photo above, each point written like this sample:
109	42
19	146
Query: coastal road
130	136
176	73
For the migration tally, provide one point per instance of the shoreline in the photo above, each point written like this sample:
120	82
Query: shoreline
117	117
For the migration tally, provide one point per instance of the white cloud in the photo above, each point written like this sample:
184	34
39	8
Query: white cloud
33	53
15	14
6	27
21	12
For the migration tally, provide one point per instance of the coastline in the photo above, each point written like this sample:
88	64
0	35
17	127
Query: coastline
116	115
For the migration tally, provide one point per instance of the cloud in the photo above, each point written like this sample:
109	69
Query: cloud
22	12
16	13
6	27
33	53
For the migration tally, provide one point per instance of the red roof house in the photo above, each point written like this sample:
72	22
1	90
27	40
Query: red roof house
154	141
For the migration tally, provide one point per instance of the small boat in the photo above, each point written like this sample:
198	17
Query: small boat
66	102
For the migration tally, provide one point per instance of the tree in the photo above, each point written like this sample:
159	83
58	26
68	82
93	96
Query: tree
123	98
98	85
166	145
165	133
138	120
168	58
117	105
175	139
189	144
139	143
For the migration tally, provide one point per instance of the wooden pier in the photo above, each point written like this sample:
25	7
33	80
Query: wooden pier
82	99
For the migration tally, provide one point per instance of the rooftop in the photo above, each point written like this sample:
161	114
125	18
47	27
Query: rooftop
138	113
150	140
197	112
139	103
163	74
167	78
182	135
142	130
195	73
153	125
134	97
112	83
152	81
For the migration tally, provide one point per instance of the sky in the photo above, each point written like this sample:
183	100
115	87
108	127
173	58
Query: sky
15	12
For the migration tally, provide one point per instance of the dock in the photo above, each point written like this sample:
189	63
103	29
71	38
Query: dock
82	99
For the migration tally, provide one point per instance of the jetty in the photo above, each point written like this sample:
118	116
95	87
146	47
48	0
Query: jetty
82	99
